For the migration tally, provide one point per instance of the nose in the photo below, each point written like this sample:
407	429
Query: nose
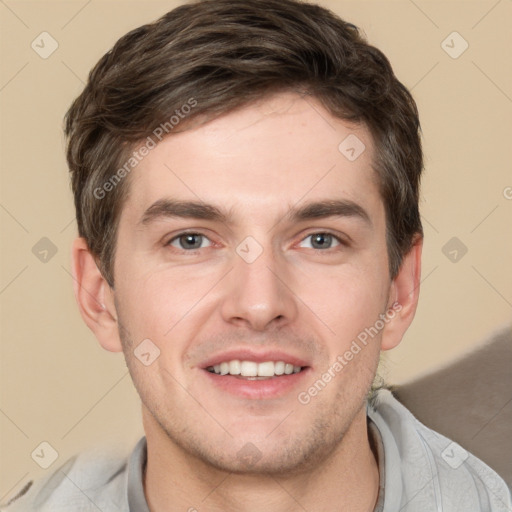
258	293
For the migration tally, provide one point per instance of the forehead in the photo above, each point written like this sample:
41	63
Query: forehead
259	159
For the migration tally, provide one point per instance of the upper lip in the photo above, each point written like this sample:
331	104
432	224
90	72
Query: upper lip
252	355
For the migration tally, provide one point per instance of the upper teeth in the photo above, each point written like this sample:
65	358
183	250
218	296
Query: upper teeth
252	369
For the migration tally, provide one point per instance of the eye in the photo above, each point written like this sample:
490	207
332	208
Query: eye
320	241
189	241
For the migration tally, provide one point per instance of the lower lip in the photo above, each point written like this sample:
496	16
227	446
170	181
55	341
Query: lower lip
274	387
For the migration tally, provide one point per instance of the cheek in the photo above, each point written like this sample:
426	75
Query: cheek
145	305
164	306
347	299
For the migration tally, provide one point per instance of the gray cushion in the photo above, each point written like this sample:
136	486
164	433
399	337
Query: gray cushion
470	401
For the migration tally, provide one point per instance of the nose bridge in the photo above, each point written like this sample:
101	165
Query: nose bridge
258	295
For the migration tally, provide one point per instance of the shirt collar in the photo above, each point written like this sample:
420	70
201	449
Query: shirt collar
136	467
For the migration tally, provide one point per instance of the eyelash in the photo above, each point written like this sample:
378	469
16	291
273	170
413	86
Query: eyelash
338	239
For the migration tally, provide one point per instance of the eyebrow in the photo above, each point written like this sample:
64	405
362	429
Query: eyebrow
186	209
329	208
169	208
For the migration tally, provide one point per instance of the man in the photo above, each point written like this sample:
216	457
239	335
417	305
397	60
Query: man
246	179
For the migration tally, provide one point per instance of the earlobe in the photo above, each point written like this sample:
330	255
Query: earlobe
403	296
94	296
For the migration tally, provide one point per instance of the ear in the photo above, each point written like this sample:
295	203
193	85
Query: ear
403	297
94	296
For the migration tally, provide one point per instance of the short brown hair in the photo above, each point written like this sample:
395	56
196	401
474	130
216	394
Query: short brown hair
225	54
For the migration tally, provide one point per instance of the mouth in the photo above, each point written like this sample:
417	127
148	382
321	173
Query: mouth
252	370
246	374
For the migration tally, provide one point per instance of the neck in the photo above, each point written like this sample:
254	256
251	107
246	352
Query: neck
347	480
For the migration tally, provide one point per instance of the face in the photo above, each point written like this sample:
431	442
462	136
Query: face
253	245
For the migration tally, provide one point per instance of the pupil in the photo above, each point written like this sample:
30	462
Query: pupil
190	241
321	240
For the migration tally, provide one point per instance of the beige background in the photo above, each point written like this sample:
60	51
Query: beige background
59	386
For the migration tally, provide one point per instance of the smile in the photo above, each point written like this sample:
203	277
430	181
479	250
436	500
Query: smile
254	370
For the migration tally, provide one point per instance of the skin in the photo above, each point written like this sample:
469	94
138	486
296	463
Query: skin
255	164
